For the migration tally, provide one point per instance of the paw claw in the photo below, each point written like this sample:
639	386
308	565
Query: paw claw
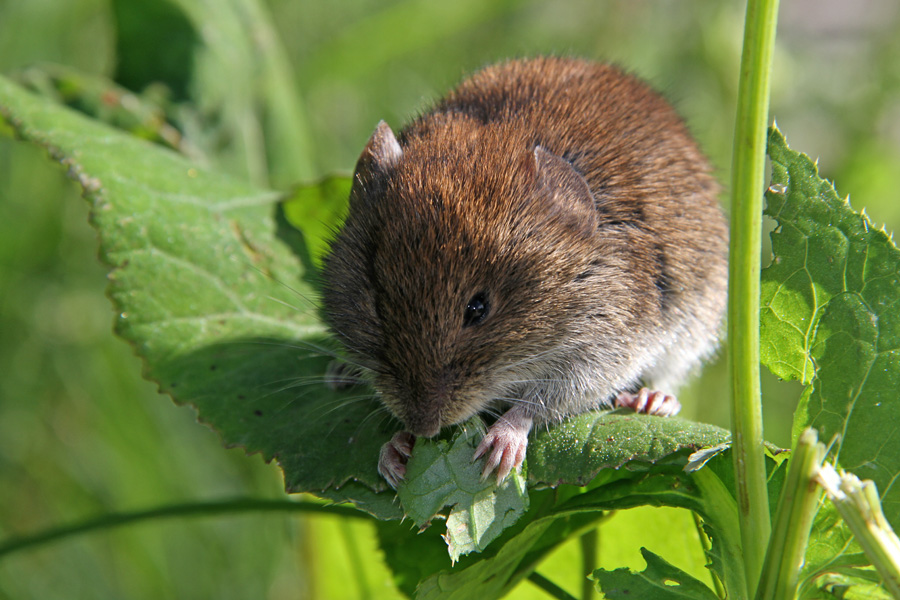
483	447
507	440
649	402
393	457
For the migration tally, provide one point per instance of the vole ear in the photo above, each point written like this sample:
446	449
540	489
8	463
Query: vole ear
566	190
382	150
381	153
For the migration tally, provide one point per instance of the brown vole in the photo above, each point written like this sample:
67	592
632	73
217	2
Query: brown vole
546	239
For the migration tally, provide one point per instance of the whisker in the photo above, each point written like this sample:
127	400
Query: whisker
319	413
531	359
379	411
302	311
284	285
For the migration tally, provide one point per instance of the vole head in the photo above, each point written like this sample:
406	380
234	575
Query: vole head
466	253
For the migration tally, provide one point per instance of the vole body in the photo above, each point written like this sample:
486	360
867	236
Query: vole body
545	239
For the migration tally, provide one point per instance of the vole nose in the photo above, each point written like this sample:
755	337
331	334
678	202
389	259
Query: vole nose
423	417
427	427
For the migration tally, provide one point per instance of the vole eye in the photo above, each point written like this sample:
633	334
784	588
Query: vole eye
476	310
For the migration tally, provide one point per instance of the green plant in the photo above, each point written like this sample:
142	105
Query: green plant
212	284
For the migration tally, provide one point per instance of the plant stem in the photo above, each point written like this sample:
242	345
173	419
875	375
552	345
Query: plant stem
707	547
588	561
860	506
206	509
793	521
550	587
720	511
744	272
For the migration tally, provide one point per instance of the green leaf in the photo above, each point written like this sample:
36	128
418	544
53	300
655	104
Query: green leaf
314	210
831	308
660	580
441	473
578	448
412	554
831	318
847	578
210	286
496	574
142	115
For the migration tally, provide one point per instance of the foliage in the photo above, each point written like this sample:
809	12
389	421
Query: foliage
830	315
213	277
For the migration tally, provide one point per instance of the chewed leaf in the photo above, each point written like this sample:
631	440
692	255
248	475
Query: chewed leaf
578	448
442	474
659	580
211	286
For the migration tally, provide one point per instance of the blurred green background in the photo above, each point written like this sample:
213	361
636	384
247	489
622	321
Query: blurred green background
81	433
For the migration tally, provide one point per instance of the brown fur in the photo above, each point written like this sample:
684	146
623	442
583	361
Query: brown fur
588	294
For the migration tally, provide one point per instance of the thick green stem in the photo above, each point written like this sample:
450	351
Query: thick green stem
744	272
796	510
218	507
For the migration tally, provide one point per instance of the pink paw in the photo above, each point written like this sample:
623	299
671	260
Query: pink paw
650	403
507	440
394	455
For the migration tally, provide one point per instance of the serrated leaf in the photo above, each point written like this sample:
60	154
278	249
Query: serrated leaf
441	474
381	505
659	580
831	318
102	99
210	286
831	308
578	448
411	554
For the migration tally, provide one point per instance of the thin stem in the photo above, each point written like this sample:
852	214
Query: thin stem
205	509
550	587
722	515
588	562
707	548
793	521
744	272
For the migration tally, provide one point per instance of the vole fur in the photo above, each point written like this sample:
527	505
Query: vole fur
543	241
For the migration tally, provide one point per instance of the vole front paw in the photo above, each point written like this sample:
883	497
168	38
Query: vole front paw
507	440
394	455
650	403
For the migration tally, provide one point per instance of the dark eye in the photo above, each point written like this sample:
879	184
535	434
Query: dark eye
476	310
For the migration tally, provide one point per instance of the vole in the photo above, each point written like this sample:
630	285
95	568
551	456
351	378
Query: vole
545	240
